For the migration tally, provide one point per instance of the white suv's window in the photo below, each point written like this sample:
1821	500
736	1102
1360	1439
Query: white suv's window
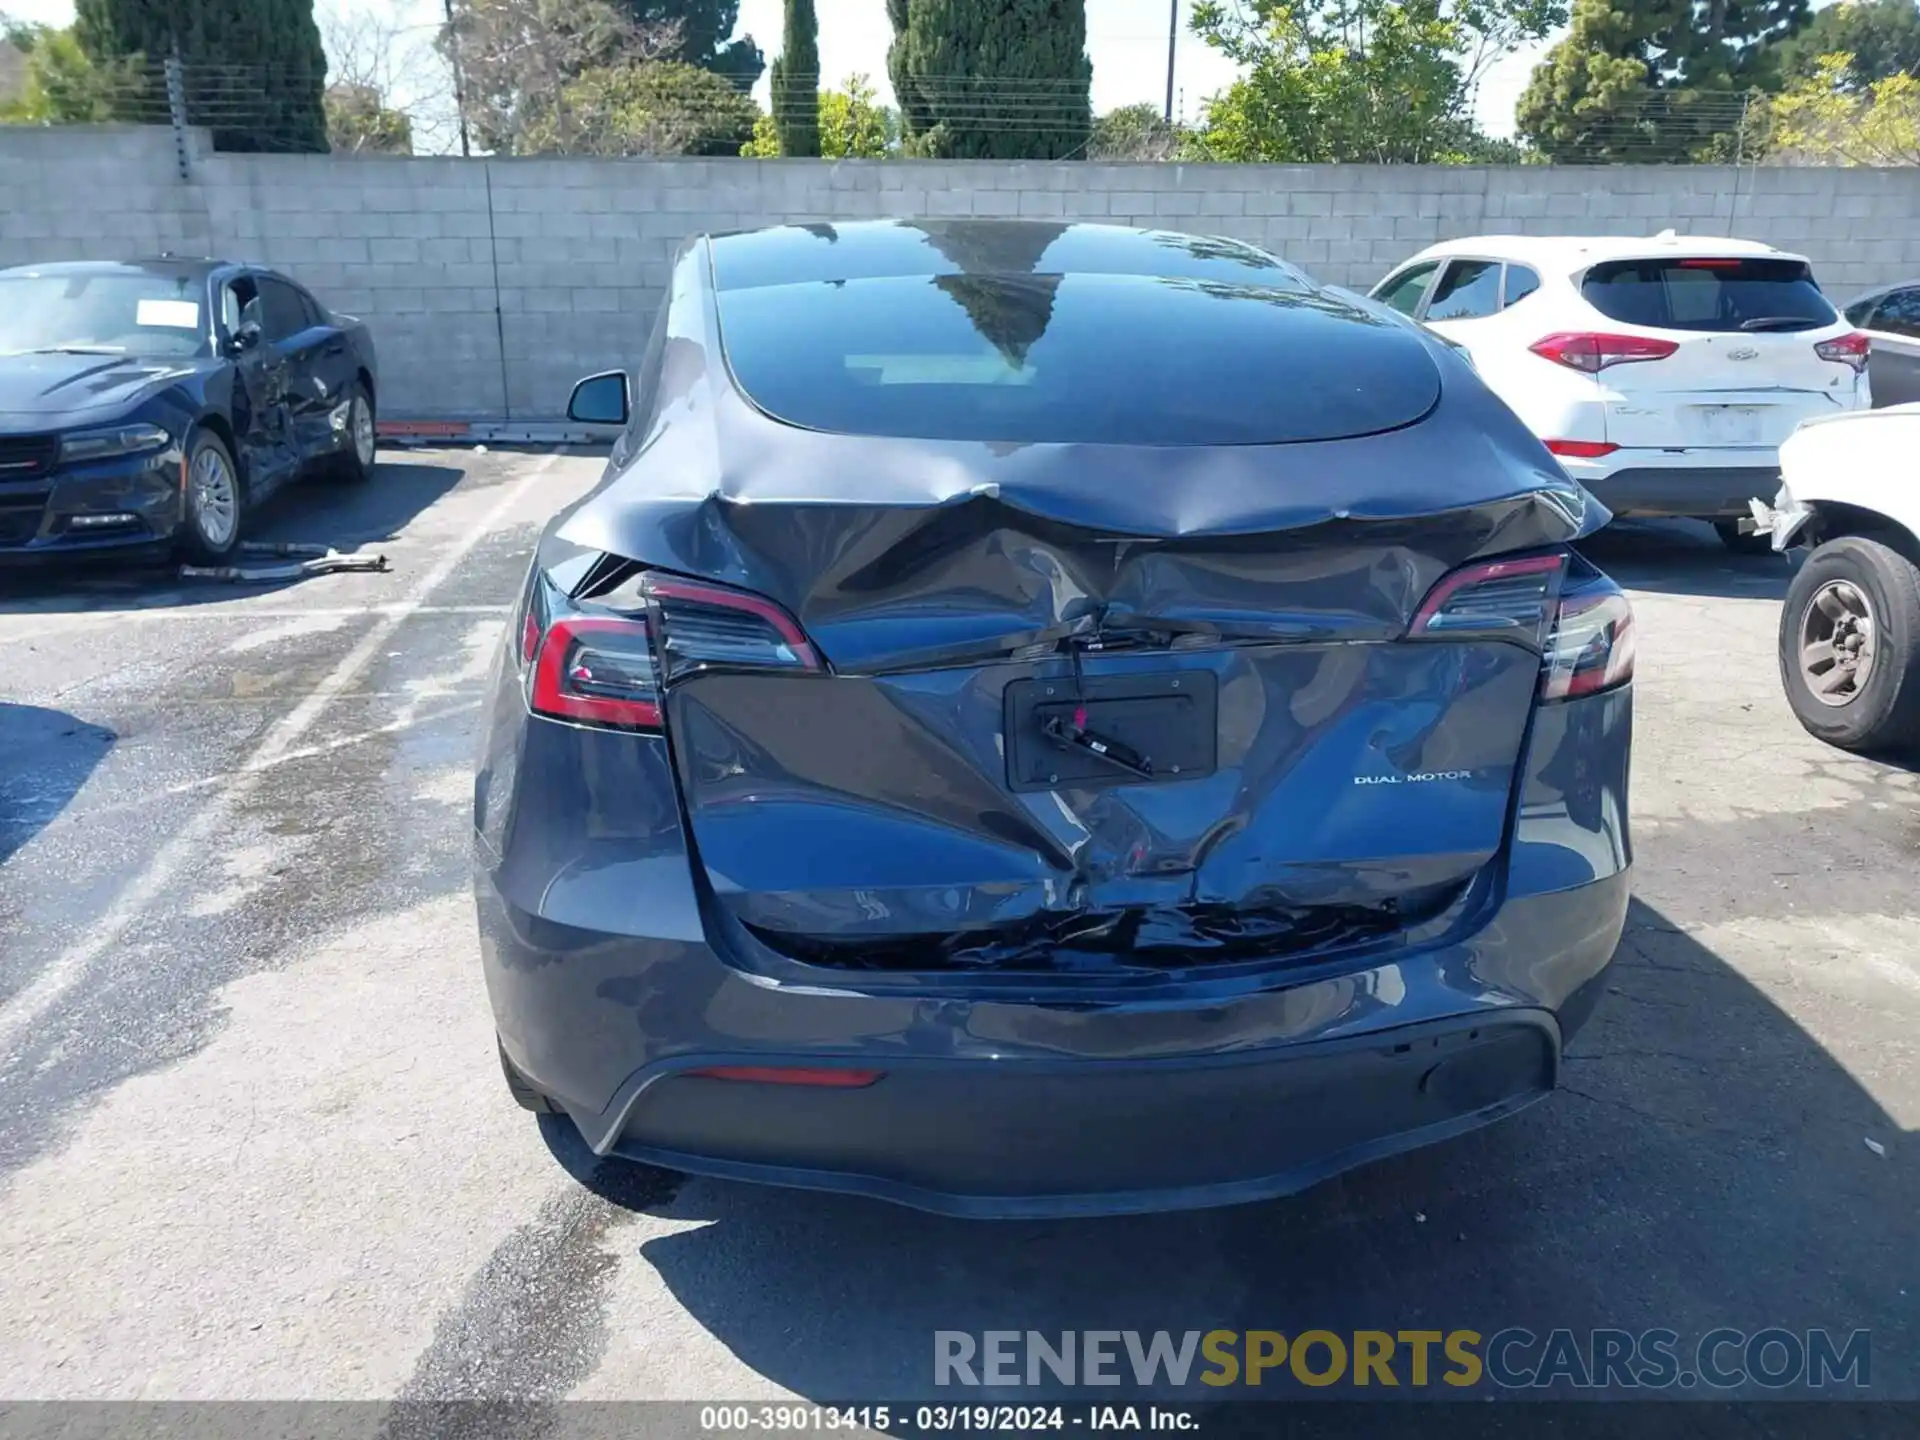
1403	293
1705	293
1468	291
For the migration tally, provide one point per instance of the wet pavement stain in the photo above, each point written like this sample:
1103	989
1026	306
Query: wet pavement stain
532	1324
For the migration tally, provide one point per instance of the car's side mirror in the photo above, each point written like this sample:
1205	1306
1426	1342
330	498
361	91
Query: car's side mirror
246	337
600	399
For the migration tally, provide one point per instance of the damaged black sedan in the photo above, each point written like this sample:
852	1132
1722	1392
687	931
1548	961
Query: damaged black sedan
147	406
1045	719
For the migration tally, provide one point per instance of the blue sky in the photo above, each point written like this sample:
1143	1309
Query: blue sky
1126	38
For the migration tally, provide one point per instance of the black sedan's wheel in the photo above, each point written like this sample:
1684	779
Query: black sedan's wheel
1759	543
216	501
1850	645
355	462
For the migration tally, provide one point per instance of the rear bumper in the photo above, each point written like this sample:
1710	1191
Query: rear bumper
1040	1138
999	1109
1680	490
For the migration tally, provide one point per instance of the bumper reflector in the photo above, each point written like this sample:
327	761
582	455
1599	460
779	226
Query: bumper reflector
783	1075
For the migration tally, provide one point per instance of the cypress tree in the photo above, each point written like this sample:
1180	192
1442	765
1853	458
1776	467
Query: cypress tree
992	79
796	82
254	70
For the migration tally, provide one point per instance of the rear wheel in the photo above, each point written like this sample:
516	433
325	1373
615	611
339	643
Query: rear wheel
518	1086
355	462
1850	645
215	501
1757	543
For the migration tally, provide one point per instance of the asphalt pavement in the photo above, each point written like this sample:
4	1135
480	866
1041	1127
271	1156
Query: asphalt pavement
254	1143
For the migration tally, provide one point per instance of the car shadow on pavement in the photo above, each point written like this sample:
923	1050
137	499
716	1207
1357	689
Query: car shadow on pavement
1707	1164
46	757
1684	557
314	512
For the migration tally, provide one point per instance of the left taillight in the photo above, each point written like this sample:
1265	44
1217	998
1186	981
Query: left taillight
608	660
598	669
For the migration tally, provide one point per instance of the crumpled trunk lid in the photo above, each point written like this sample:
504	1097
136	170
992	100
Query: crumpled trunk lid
859	819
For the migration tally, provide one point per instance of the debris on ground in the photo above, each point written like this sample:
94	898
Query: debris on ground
1877	1148
298	562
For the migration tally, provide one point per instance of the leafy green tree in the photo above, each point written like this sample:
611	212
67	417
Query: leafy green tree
1356	80
1826	119
1135	132
1881	36
62	86
992	79
796	82
655	107
704	29
1653	80
853	126
254	70
358	123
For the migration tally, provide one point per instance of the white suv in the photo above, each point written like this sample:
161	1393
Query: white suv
1663	372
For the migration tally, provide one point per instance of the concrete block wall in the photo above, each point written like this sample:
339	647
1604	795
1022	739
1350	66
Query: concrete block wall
492	284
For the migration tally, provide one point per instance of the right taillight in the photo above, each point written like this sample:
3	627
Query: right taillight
1579	618
1851	349
1591	352
1590	647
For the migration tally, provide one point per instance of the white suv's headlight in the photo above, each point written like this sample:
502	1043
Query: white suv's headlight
112	440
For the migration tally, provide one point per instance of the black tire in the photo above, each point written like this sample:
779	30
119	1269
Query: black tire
518	1086
354	464
1760	542
210	531
1883	712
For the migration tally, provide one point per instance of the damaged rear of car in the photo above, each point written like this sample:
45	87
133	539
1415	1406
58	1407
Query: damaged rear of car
1041	719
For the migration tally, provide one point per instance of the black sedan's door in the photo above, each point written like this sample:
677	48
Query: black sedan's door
296	331
262	418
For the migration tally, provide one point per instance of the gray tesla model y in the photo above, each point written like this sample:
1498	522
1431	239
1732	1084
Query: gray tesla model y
1043	719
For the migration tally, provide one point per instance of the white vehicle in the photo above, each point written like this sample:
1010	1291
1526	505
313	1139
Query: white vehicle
1664	372
1850	625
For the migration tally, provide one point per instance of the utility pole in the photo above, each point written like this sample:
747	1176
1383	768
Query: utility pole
1173	42
459	87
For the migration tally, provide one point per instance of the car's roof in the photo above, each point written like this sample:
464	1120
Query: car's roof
882	249
168	267
1575	252
1877	291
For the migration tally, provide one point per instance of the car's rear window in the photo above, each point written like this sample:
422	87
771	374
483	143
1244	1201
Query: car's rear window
1708	293
1073	359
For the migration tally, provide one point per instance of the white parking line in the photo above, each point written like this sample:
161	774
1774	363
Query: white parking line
68	968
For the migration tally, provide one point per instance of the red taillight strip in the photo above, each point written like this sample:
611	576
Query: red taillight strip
1581	449
1451	585
692	590
550	694
1697	263
1590	352
1851	349
792	1075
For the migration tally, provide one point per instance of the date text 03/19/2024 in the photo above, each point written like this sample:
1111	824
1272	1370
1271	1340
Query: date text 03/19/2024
939	1419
